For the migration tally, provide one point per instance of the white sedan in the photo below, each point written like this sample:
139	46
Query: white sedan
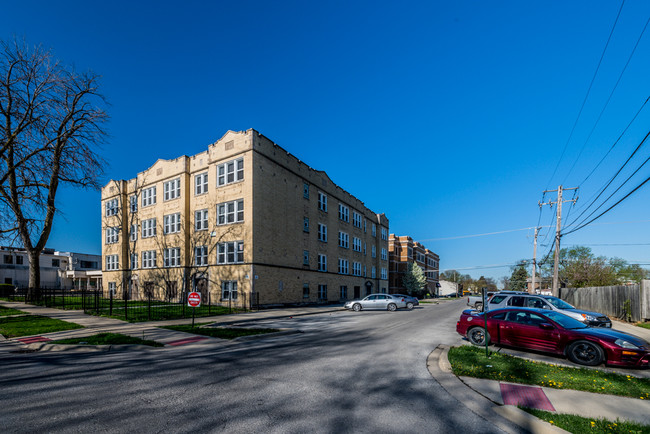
377	302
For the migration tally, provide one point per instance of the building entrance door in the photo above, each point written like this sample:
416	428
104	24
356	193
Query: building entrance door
357	292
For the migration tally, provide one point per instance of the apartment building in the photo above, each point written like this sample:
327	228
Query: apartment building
402	250
243	222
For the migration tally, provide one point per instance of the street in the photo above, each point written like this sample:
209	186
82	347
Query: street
346	372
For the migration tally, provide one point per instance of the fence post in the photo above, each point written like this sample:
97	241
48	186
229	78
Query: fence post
149	303
644	299
110	303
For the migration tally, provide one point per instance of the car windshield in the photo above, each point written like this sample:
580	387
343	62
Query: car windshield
565	321
559	303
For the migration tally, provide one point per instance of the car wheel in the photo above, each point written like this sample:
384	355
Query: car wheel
479	307
585	353
356	307
409	305
477	336
392	307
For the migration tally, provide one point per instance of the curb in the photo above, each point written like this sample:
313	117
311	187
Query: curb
44	347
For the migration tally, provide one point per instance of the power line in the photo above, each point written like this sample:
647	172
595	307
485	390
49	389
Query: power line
478	235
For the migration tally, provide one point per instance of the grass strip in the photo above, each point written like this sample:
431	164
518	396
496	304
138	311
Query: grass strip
6	311
108	339
471	362
30	325
218	332
584	425
645	325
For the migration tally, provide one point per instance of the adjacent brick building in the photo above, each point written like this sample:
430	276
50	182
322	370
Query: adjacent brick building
244	222
402	250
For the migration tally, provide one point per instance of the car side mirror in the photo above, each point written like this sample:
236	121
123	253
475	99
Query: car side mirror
546	326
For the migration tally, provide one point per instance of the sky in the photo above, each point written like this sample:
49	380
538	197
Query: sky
452	118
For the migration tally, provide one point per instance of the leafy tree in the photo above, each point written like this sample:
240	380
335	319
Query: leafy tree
414	279
518	277
485	282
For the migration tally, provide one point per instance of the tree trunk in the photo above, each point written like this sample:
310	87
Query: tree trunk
34	273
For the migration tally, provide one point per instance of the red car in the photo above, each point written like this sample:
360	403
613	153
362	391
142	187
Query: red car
553	332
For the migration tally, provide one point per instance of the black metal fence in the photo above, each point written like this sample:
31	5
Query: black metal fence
146	308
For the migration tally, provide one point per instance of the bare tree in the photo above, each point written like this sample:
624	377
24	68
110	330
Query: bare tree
51	123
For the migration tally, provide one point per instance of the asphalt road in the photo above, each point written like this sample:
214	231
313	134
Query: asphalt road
347	372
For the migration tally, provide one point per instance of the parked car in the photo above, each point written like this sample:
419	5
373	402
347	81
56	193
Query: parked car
410	301
476	300
377	301
524	299
553	332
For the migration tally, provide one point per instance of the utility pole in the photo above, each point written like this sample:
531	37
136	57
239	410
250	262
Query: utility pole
558	228
532	289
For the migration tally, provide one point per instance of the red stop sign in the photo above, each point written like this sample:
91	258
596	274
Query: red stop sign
194	299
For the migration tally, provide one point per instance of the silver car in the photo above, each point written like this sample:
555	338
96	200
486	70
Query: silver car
410	301
377	302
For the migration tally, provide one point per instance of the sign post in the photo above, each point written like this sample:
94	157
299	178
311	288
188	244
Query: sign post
485	311
194	301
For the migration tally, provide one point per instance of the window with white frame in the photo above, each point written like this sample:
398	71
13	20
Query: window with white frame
305	190
322	292
373	273
344	266
149	228
172	223
384	273
344	240
172	189
374	230
112	288
322	262
356	219
149	259
373	249
305	224
149	196
344	292
201	255
344	213
230	253
133	235
230	212
356	268
134	261
322	232
112	207
305	257
384	234
229	290
201	183
384	254
201	220
322	201
133	203
356	244
229	172
112	235
172	257
112	262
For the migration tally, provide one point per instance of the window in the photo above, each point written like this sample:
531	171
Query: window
201	220
356	268
344	213
19	261
356	219
364	226
230	212
9	259
149	259
384	254
343	266
201	183
322	292
384	273
172	189
201	255
305	224
56	262
230	253
112	235
229	290
356	244
149	196
172	223
322	262
322	232
305	257
134	261
112	288
365	274
517	301
172	257
133	235
133	203
112	262
229	172
111	207
344	292
374	272
322	201
364	249
374	230
305	290
384	234
149	228
305	190
344	240
419	257
374	251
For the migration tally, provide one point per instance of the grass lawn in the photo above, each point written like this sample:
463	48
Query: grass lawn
6	311
583	425
222	333
108	339
645	325
471	362
33	325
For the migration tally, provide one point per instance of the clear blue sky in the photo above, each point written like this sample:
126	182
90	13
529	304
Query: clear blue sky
449	117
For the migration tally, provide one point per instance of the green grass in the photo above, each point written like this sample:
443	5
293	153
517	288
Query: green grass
471	362
583	425
222	333
108	339
645	325
33	325
6	311
162	312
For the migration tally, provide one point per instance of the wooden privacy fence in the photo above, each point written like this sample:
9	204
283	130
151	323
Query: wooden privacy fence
622	301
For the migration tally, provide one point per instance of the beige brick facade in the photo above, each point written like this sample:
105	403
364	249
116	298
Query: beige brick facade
258	228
